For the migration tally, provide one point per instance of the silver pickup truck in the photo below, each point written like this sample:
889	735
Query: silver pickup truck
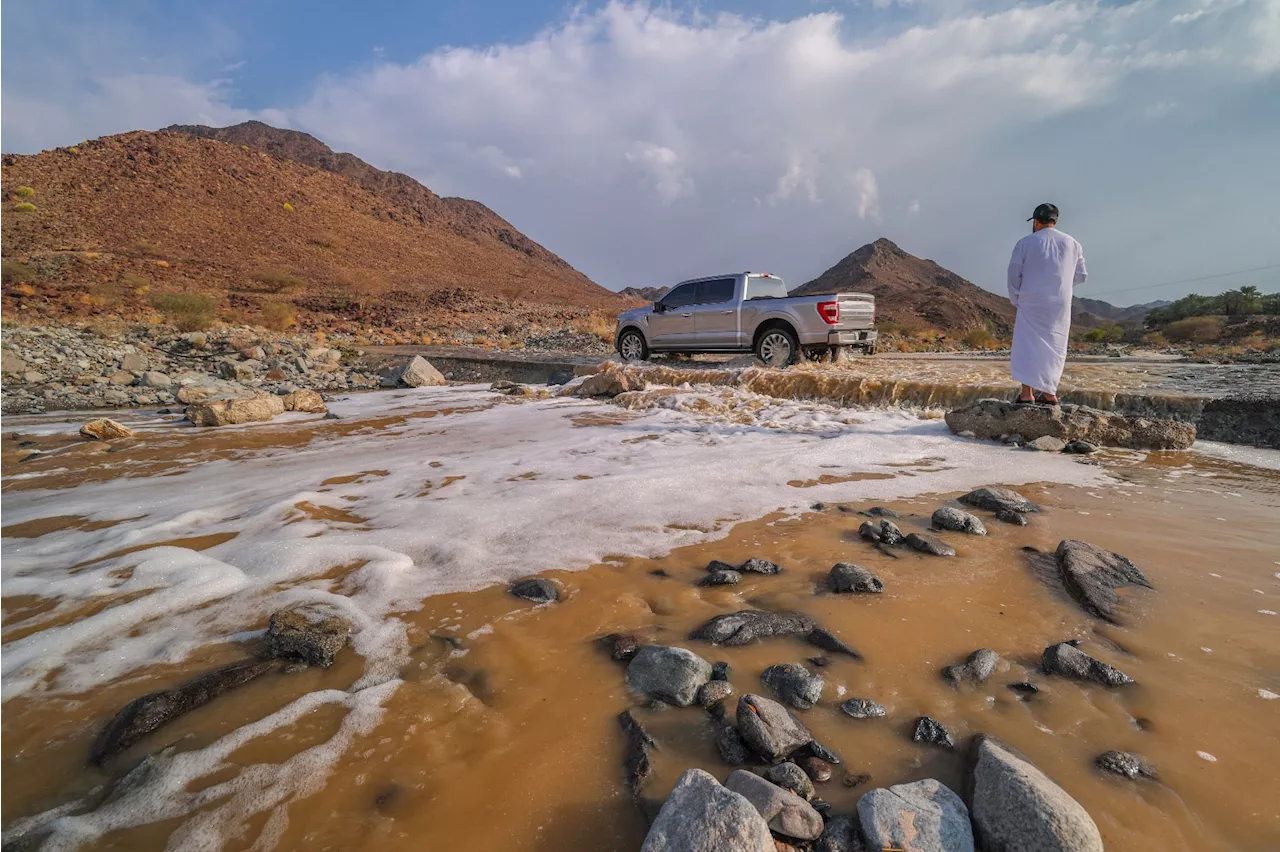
748	312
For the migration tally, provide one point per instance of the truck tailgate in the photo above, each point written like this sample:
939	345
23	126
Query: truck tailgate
857	310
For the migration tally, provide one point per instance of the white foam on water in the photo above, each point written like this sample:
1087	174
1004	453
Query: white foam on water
1267	694
1204	755
1241	453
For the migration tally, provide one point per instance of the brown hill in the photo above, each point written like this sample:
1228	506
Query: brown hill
914	293
123	218
644	294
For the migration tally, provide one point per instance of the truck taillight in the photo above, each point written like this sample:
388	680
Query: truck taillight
830	311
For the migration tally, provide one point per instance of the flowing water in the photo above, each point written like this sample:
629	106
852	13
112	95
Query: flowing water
463	717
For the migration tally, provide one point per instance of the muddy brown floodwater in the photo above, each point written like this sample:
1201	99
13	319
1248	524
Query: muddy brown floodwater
502	734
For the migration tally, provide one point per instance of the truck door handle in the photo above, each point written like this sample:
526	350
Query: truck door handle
686	315
726	312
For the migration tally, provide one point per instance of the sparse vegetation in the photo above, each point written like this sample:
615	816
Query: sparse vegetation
1194	330
1104	334
110	327
188	311
1233	303
133	279
24	192
24	207
163	264
595	323
979	338
16	272
278	316
288	207
274	281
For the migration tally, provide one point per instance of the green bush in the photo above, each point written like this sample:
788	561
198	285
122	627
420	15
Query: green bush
277	316
24	207
24	192
979	338
1105	334
1194	330
16	272
188	311
276	281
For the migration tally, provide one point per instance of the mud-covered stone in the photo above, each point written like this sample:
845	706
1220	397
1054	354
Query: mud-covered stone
720	578
951	518
979	666
713	691
535	589
637	765
105	429
929	731
745	627
668	674
794	684
311	632
828	641
768	728
1126	764
994	499
884	532
1091	575
756	565
925	543
818	770
1069	661
846	577
863	708
1012	516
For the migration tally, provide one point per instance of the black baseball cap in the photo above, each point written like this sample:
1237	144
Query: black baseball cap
1045	213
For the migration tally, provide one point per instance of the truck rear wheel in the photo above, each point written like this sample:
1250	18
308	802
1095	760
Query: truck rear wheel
631	346
777	346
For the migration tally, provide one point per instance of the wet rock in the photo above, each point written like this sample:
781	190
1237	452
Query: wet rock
668	674
1023	688
732	748
702	816
1069	661
784	811
882	512
949	518
1016	806
819	662
105	429
1011	516
1248	418
610	382
979	666
636	762
1091	575
991	418
863	708
419	373
329	415
1127	764
1079	447
755	565
847	577
714	691
149	712
721	578
742	628
828	641
720	671
229	412
818	750
925	816
535	589
840	834
794	685
305	400
855	779
1047	444
925	543
930	731
621	646
994	499
788	776
885	532
768	728
818	770
311	632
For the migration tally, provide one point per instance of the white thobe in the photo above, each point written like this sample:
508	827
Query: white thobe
1045	266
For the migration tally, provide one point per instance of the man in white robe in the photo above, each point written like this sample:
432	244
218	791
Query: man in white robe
1045	266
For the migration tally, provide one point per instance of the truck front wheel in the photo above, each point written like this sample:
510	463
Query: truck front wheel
631	346
777	346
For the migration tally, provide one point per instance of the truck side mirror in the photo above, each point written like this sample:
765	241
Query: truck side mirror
659	308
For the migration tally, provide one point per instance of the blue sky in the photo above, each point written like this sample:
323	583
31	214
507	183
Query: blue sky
647	143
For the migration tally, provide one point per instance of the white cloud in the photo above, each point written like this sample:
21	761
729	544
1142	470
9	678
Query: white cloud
663	169
864	184
913	208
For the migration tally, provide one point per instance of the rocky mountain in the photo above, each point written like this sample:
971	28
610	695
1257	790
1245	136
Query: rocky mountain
1097	311
644	294
255	216
914	293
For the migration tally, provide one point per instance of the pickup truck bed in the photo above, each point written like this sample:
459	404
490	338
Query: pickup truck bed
748	312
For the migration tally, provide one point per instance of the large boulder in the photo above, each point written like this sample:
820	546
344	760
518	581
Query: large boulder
1069	661
993	418
610	381
668	674
305	400
742	628
979	666
230	412
1015	806
847	577
419	373
1092	575
951	518
784	811
794	684
702	816
311	632
769	729
925	816
105	429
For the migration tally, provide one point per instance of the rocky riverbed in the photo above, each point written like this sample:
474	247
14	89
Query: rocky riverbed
367	631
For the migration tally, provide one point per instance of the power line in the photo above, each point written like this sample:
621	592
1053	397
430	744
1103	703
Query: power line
1188	280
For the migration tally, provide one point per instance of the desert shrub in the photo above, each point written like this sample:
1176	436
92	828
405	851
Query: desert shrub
133	279
278	316
979	338
16	272
74	149
110	327
323	240
21	290
24	192
595	323
1104	334
1194	330
275	281
24	207
288	207
163	264
188	311
1155	340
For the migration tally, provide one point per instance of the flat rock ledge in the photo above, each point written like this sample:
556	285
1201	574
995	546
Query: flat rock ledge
994	418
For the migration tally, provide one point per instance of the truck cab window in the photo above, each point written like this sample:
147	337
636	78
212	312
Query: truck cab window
765	287
681	297
716	291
